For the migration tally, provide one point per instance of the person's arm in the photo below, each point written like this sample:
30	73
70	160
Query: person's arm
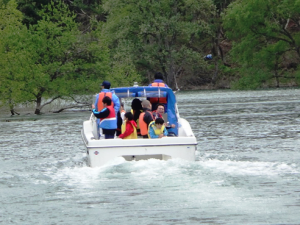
165	132
102	114
152	133
128	131
116	102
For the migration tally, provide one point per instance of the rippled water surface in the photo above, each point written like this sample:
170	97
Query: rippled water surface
247	168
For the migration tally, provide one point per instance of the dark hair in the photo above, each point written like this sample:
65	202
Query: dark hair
136	106
159	121
158	75
128	115
122	104
161	105
107	100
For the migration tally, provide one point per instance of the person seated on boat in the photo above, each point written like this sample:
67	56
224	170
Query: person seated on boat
157	129
107	116
160	113
120	118
136	110
128	127
145	118
158	82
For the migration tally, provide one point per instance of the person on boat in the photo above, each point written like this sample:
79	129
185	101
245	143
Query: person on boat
106	92
136	110
157	129
160	113
158	82
145	118
107	116
129	127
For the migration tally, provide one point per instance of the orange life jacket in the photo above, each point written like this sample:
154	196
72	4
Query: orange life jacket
158	100
100	98
143	124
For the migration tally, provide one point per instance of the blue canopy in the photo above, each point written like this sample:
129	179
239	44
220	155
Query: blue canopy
148	91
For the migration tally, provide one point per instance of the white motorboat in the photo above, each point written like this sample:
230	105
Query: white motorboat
182	144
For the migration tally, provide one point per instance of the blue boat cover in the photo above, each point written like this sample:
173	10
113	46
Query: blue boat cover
148	91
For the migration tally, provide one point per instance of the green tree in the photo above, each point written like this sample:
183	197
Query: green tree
218	37
160	35
57	60
263	40
88	12
12	54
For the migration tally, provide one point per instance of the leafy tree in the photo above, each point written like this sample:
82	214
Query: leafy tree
57	60
88	12
263	38
160	35
12	54
30	10
218	36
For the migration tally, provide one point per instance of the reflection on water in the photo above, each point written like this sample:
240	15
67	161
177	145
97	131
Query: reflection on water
246	172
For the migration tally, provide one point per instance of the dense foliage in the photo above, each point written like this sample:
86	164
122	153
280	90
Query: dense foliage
52	49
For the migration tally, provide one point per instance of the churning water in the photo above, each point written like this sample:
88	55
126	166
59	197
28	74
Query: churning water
247	168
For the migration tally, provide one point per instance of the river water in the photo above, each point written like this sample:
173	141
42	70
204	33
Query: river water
247	168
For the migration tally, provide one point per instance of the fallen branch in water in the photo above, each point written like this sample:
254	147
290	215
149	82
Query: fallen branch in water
72	107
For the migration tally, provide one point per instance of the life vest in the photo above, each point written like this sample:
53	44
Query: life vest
161	99
133	135
100	98
109	122
143	124
156	131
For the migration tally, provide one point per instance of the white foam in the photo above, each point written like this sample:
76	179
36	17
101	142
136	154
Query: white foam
250	168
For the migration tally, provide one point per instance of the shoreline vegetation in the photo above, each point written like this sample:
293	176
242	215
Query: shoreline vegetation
57	49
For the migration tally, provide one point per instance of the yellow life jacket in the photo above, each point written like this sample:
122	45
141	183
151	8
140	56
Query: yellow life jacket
156	131
132	135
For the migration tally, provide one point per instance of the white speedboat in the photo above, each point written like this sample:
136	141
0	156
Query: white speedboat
182	144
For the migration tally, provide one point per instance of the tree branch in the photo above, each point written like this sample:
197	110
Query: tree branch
47	103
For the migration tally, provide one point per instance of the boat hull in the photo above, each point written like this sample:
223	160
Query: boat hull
99	152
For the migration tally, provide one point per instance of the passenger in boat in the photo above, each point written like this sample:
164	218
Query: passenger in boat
105	86
158	82
160	113
107	116
136	110
106	92
129	127
145	118
157	129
